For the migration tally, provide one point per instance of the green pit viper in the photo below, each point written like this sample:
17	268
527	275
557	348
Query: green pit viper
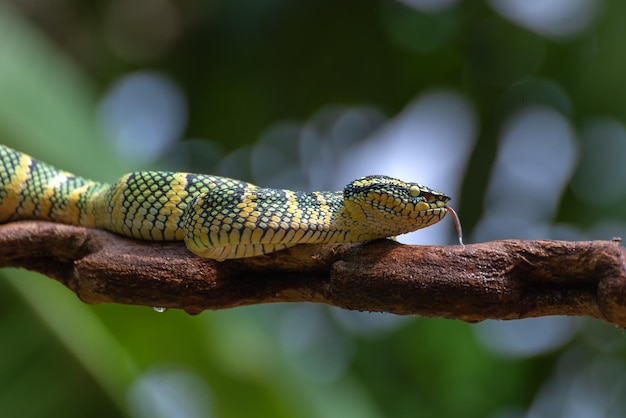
217	217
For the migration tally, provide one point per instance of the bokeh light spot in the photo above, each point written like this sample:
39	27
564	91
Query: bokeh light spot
549	17
142	114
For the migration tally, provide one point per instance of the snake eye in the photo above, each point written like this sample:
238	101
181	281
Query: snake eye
429	197
414	190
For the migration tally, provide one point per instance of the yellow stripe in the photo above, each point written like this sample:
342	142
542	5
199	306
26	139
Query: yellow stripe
146	229
72	214
214	237
251	250
14	187
175	194
45	199
157	235
278	236
257	235
267	237
117	214
234	237
307	237
297	237
223	238
289	235
241	250
315	238
95	211
247	234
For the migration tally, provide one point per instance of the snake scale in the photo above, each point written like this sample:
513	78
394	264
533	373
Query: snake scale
217	217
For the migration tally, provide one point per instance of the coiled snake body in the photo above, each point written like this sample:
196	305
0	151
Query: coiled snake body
217	217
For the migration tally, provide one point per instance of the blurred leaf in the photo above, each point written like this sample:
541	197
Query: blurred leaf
47	107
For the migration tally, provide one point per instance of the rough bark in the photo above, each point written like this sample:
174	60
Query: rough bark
492	280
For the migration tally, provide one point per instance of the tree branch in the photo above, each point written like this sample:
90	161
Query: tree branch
498	280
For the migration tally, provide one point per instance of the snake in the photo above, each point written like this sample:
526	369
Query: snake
217	217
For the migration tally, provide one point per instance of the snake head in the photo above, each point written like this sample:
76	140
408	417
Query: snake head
392	207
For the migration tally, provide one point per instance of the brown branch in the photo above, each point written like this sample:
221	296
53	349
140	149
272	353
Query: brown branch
498	280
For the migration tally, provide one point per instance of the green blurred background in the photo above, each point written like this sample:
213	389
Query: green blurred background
514	108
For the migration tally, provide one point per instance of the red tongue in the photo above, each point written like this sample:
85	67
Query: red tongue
457	224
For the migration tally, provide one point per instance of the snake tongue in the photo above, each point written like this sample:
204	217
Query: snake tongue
457	224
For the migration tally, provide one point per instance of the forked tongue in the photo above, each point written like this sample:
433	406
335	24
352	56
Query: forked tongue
457	224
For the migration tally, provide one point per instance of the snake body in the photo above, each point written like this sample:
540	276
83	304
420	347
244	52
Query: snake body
217	217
